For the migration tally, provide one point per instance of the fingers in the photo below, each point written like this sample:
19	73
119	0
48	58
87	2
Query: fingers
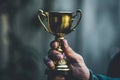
49	63
66	48
54	44
54	55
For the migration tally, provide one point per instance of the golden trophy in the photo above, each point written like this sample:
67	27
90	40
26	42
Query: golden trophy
59	24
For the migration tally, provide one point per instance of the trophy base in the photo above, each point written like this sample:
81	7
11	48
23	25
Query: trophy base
62	65
58	75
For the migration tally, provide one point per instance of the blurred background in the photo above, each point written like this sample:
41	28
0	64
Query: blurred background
24	43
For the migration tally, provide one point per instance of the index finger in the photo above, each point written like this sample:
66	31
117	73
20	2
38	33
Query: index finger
54	44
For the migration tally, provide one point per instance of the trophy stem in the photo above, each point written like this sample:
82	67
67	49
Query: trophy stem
61	65
58	39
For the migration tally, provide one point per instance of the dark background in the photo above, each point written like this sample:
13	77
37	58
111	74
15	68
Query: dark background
24	43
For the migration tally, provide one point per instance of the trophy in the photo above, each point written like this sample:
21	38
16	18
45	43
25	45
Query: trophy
59	24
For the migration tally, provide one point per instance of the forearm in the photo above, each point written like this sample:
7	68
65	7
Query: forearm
100	77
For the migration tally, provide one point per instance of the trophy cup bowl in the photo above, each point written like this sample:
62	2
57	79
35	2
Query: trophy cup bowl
59	24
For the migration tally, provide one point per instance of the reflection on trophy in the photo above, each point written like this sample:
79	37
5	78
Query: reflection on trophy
59	24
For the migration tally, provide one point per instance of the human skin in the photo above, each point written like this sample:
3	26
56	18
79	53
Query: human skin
77	64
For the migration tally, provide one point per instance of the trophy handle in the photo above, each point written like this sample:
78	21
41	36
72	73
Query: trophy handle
41	13
74	15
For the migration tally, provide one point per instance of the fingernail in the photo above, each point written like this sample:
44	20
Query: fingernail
55	45
51	65
65	43
60	56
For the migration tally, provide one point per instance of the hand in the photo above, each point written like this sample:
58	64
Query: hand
77	64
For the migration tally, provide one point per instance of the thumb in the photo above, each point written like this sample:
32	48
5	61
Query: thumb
72	55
